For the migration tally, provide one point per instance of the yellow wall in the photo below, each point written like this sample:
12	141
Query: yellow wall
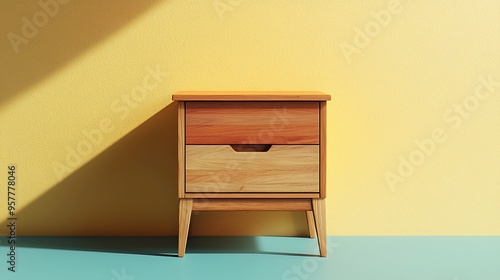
108	69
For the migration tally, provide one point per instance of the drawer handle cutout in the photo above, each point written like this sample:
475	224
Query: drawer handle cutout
251	147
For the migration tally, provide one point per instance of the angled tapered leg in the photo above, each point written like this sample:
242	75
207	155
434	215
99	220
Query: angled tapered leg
320	219
185	208
310	224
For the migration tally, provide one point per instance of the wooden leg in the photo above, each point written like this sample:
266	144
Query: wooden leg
185	207
320	219
310	224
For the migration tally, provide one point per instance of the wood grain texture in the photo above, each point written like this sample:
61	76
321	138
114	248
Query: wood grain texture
251	95
310	224
320	222
185	208
248	122
252	195
284	168
181	149
322	152
260	204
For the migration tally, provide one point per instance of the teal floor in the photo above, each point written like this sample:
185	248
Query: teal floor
254	258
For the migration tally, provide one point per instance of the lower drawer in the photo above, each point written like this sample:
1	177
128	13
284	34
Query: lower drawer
259	168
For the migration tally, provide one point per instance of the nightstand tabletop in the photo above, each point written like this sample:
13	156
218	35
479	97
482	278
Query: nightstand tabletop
251	95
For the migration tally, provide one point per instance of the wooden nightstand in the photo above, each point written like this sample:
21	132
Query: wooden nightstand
252	151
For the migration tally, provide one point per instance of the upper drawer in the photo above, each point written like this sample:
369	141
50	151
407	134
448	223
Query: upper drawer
252	122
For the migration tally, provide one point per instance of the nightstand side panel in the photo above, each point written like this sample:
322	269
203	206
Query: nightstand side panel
181	149
322	150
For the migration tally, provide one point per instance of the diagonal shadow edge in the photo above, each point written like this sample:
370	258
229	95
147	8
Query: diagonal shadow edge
74	28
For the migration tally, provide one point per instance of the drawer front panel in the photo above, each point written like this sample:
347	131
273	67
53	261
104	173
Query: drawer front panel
282	168
250	122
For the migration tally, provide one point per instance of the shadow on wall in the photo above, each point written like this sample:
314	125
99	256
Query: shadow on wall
130	189
38	37
119	192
